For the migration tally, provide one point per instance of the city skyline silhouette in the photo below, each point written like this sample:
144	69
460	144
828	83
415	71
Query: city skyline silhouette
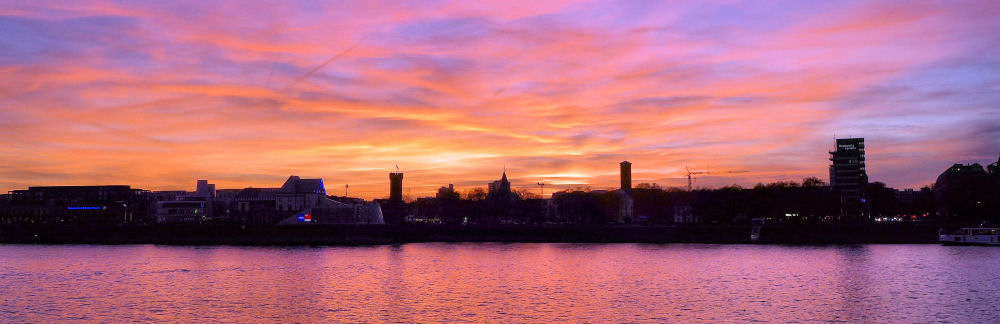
549	161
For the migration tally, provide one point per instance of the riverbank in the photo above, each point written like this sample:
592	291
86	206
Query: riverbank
225	234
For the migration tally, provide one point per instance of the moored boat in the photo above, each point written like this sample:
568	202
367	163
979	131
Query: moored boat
970	236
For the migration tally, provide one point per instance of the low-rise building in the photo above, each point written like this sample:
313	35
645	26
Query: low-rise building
193	207
304	201
684	214
114	204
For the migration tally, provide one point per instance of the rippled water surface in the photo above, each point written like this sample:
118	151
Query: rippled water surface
501	282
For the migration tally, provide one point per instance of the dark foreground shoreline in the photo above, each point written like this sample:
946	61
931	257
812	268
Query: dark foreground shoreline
225	234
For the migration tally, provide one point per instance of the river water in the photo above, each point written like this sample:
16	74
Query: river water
501	283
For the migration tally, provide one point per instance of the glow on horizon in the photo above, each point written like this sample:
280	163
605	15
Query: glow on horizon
244	93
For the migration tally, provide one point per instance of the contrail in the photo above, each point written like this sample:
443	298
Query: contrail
324	64
495	94
128	133
268	84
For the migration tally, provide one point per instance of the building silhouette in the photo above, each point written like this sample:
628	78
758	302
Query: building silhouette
256	206
595	206
626	204
626	175
446	192
187	207
958	191
114	204
396	186
502	203
994	168
848	177
304	201
500	187
205	189
297	201
297	193
394	210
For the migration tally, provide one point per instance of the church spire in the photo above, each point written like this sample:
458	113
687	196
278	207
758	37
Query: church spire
504	183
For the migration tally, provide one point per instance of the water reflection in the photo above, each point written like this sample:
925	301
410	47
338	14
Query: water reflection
853	282
500	282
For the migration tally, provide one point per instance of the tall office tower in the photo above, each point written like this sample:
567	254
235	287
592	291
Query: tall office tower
396	186
848	177
626	175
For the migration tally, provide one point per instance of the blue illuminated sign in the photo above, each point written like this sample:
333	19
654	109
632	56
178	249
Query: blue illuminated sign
84	208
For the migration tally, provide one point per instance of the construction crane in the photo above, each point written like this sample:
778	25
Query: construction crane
690	173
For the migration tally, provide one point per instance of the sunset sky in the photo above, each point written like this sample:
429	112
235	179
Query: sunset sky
157	94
